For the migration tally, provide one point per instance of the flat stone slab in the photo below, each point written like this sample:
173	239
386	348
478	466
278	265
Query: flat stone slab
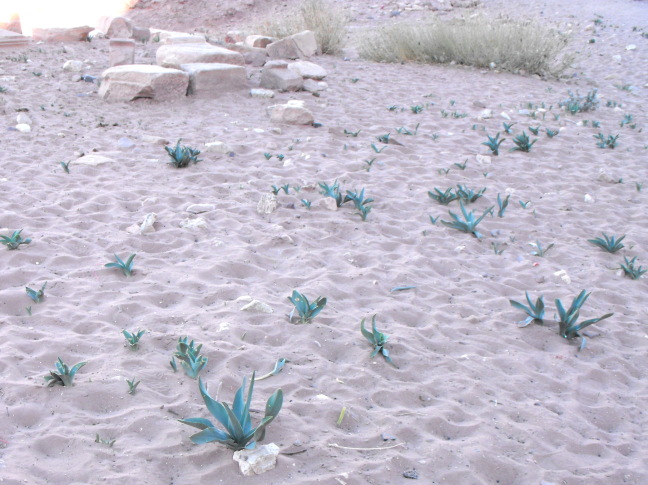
212	79
175	55
12	39
126	83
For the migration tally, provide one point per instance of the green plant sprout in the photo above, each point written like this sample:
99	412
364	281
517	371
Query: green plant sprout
190	359
609	142
569	328
341	416
416	109
359	202
132	386
182	156
306	203
443	198
332	191
433	220
461	166
502	204
404	131
236	421
36	295
353	134
496	248
133	338
551	133
609	244
469	195
64	376
469	224
369	164
535	311
524	204
493	144
126	267
535	130
539	250
522	143
306	310
104	441
507	127
632	271
14	241
383	138
279	365
376	149
627	120
267	155
377	339
66	166
578	104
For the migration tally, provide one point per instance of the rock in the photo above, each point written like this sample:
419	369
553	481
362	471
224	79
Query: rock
124	142
308	70
631	47
12	38
328	203
92	160
23	119
267	204
115	27
483	160
154	140
146	227
306	43
259	460
261	41
234	36
485	114
174	56
96	34
292	113
161	36
253	56
412	474
184	39
141	34
217	147
262	93
603	176
505	116
212	79
23	127
313	86
200	208
193	224
296	46
562	274
122	52
126	83
257	306
73	34
280	79
589	199
73	66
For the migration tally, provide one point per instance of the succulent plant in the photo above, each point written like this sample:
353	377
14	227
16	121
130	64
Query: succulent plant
279	365
132	385
359	202
64	376
133	338
376	149
507	127
189	356
306	310
576	103
469	223
443	198
502	204
632	271
609	142
540	251
105	441
535	311
182	156
238	433
353	134
568	320
377	339
416	109
493	144
126	267
36	295
383	138
404	131
461	166
66	166
552	133
468	195
609	244
14	241
332	191
523	143
535	130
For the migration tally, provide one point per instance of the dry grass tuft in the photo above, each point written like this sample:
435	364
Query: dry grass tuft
327	21
511	45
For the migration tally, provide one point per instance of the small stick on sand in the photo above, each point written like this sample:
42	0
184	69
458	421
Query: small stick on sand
335	445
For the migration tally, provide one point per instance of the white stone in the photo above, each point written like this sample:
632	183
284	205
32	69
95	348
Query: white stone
267	204
200	208
125	83
485	114
306	43
313	86
562	274
328	203
193	224
217	147
259	460
631	47
308	70
505	116
174	56
147	225
483	160
154	140
589	199
92	160
23	127
257	306
73	66
23	119
262	93
292	113
121	52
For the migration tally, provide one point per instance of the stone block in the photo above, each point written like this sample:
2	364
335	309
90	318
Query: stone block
115	27
174	56
122	52
72	34
212	79
280	79
126	83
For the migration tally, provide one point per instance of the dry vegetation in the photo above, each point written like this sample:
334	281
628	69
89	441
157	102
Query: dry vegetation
328	21
511	45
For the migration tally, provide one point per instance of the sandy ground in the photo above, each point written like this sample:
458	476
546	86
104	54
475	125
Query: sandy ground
474	399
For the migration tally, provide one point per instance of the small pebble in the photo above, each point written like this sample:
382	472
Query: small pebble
413	474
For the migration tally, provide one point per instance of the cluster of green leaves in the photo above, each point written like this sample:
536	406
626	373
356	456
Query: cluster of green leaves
133	338
65	374
132	386
607	243
535	311
182	156
36	295
332	191
377	339
238	432
360	203
404	131
540	251
443	198
523	143
627	120
502	204
189	356
468	223
275	190
609	142
493	144
579	104
353	134
126	267
568	319
14	241
632	271
416	109
306	310
552	133
468	195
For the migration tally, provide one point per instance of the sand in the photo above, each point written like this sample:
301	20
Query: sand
474	400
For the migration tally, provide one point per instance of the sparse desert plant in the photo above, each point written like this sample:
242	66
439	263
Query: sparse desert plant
65	374
632	271
376	149
609	142
332	191
535	311
493	144
66	166
468	195
404	131
416	109
238	432
353	134
306	310
133	338
267	155
279	365
580	104
461	166
377	339
469	223
359	202
306	203
14	241
126	267
523	143
327	20
182	156
369	164
105	441
535	130
433	220
502	204
132	385
540	251
36	295
551	133
443	198
607	243
627	120
189	356
510	45
569	328
508	127
3	89
383	138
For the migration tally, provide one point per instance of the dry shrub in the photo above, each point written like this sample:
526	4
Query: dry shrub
512	45
327	21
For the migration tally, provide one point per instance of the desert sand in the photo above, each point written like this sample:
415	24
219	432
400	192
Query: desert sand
474	399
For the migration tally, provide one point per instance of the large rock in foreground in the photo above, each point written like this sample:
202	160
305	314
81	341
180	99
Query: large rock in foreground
126	83
175	55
